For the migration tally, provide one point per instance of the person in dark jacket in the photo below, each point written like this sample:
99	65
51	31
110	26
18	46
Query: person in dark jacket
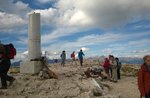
4	67
144	78
118	67
80	56
63	58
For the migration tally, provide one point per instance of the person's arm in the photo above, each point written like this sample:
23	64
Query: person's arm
83	54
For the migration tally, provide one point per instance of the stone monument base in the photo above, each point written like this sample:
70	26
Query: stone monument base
32	67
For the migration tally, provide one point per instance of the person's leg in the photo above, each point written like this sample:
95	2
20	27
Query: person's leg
62	62
115	75
3	74
8	78
81	61
147	95
107	73
112	76
3	81
118	74
110	69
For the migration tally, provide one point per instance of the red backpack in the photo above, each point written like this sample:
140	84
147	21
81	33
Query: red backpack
10	51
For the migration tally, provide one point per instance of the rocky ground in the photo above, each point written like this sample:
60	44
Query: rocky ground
71	83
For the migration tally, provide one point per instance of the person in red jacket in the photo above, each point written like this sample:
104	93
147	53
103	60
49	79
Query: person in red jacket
144	78
73	58
106	66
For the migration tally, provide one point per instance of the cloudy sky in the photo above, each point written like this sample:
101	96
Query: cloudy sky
101	27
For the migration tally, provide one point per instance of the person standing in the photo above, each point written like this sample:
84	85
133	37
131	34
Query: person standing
73	57
118	67
113	65
144	78
80	56
63	58
106	66
110	68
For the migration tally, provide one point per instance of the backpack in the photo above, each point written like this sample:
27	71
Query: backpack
2	49
71	55
10	51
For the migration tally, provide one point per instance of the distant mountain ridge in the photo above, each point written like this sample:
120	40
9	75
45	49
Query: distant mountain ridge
124	60
131	60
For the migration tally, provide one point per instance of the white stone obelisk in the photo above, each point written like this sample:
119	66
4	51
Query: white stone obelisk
34	36
34	46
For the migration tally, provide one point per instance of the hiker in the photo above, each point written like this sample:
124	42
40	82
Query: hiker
73	57
144	78
106	66
63	58
113	65
5	63
118	67
110	69
80	56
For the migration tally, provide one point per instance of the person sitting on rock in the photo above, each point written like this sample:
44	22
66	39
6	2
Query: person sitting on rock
94	71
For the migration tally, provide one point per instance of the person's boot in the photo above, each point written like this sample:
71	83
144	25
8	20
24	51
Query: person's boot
11	81
3	87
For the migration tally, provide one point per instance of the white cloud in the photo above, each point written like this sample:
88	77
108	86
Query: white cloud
104	13
19	8
82	15
13	15
92	39
108	51
85	49
140	42
46	1
48	16
8	22
79	18
140	51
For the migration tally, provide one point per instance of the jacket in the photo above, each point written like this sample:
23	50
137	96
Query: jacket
80	55
106	64
144	80
63	56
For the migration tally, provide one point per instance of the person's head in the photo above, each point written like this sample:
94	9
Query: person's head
111	57
147	60
63	51
106	59
11	44
81	50
117	59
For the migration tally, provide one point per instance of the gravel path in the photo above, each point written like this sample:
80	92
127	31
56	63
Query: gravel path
126	87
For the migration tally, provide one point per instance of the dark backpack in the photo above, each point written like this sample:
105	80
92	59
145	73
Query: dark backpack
2	49
10	51
71	55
